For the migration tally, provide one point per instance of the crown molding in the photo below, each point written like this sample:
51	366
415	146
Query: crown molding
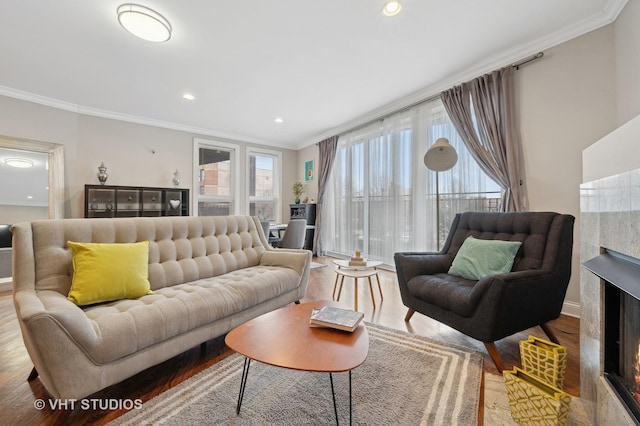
96	112
607	16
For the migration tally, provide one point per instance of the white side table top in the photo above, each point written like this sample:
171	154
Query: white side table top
344	264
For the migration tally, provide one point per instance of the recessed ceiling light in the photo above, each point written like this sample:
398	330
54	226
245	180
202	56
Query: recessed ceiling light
21	163
188	96
29	197
391	8
279	120
144	22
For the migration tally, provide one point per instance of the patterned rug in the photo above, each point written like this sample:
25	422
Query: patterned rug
406	380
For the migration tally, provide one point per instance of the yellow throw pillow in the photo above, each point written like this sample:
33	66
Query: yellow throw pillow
104	272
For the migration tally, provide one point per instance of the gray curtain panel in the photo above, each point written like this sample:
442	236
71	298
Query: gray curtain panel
493	139
327	154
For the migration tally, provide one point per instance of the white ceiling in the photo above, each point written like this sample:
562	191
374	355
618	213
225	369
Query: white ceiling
321	65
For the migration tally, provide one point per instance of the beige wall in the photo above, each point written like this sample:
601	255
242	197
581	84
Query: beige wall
627	50
134	154
565	103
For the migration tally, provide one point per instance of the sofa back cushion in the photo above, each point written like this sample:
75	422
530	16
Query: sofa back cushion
530	228
181	249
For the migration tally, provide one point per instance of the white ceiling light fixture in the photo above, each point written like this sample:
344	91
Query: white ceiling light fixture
391	8
21	163
188	96
144	22
279	120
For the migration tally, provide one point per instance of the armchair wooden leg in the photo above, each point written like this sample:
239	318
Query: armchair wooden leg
410	313
494	354
32	375
549	332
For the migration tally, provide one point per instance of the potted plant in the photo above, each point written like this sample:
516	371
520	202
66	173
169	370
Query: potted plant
298	189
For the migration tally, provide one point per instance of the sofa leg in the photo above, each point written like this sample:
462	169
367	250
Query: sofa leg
32	375
297	302
410	313
549	332
495	355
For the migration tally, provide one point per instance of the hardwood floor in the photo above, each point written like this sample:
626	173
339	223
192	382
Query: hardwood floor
17	396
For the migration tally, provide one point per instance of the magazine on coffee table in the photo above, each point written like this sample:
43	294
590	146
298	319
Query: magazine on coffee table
338	318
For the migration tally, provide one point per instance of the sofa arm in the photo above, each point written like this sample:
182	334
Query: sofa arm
298	260
409	264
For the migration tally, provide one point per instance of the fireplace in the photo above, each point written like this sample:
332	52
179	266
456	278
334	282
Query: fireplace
621	327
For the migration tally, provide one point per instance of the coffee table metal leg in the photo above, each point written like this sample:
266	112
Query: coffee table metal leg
333	395
335	407
243	382
350	417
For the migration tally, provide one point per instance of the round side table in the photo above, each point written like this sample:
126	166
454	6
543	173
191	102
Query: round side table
343	269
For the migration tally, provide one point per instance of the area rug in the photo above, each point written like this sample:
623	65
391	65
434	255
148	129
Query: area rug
497	411
406	379
317	265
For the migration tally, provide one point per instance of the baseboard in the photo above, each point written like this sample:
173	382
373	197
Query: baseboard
571	308
6	284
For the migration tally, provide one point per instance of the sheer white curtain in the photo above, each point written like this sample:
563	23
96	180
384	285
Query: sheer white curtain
381	199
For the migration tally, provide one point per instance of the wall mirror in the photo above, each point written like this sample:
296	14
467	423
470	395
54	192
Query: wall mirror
32	173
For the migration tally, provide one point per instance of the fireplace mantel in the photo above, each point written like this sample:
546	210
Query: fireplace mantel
609	220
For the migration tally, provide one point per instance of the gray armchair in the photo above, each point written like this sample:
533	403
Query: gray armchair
495	306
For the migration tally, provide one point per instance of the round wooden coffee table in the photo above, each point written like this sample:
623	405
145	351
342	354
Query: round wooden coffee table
283	338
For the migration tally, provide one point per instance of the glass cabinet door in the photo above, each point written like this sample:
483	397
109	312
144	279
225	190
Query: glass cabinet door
151	203
101	202
128	203
173	203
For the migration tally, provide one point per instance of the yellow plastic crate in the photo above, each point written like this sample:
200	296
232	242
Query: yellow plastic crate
534	402
544	359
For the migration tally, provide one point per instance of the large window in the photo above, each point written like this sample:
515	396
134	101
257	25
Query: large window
382	199
216	193
263	183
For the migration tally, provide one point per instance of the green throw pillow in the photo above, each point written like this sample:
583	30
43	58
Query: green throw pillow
478	258
104	272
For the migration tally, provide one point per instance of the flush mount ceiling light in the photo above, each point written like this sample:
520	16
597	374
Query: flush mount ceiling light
21	163
188	96
144	22
391	8
279	120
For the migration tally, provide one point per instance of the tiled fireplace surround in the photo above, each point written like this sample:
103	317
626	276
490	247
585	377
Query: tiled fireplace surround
610	218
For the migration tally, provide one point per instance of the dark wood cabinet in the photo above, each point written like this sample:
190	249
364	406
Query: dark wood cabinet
308	212
134	201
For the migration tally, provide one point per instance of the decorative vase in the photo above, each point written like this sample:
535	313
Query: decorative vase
102	174
297	201
533	401
174	204
544	359
176	179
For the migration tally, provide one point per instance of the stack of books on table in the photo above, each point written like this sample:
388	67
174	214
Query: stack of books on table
338	318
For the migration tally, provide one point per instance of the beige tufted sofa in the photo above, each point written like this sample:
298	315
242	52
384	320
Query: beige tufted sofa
208	274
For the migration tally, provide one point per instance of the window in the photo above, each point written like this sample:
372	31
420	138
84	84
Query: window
382	199
216	193
263	184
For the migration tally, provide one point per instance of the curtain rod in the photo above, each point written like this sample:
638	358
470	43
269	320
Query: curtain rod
515	65
531	58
